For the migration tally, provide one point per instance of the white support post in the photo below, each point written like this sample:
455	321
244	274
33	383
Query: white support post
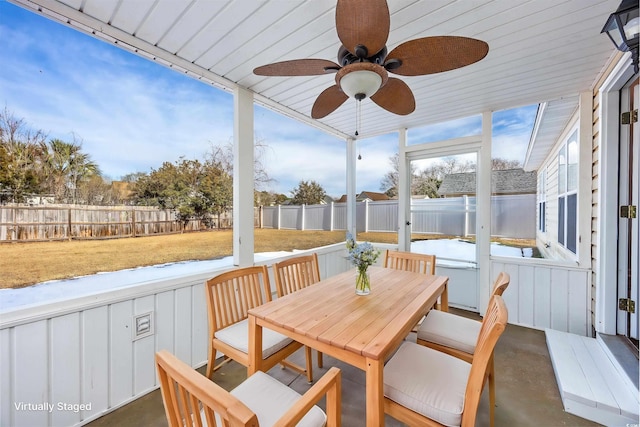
303	212
243	221
351	186
483	214
404	194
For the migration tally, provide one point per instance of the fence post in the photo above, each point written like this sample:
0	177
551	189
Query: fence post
279	219
303	210
133	222
366	216
15	224
465	203
331	217
69	222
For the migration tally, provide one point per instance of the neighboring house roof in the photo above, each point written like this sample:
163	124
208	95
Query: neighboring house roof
373	196
365	195
327	200
508	181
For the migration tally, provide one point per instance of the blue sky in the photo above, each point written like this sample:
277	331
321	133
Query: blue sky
131	115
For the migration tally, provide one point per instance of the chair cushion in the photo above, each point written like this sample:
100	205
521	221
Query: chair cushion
428	382
269	399
450	330
237	336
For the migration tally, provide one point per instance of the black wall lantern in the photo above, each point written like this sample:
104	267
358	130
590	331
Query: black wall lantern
622	28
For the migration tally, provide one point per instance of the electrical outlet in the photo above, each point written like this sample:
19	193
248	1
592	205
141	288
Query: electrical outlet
142	325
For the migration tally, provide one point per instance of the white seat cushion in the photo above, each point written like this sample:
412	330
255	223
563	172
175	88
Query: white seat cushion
450	330
428	382
237	336
269	399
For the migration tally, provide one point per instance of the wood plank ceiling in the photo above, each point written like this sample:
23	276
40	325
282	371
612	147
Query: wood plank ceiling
540	50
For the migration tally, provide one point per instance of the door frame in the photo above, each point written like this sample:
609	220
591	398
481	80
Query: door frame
606	265
627	323
480	144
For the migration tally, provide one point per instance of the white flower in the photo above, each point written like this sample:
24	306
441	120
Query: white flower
361	255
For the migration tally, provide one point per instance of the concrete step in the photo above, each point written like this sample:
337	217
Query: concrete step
590	385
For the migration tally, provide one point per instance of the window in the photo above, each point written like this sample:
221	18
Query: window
567	193
542	201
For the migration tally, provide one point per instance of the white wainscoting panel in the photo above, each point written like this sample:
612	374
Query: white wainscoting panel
183	324
462	287
144	376
199	325
121	360
65	356
95	360
30	373
6	378
545	294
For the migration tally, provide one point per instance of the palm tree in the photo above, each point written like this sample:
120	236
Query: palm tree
66	166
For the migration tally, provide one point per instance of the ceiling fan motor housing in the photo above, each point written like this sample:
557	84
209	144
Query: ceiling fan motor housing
345	57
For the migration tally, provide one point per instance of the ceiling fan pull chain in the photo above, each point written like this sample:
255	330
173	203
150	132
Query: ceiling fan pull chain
358	115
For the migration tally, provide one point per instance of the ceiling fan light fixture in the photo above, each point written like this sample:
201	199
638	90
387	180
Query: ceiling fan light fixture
359	83
361	80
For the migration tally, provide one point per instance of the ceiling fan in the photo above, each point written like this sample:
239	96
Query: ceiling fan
364	64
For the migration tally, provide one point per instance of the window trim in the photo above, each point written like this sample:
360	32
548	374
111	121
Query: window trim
567	232
542	201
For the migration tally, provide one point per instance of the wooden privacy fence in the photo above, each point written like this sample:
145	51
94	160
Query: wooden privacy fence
63	222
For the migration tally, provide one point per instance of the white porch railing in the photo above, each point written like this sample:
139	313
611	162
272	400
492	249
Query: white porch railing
547	294
68	362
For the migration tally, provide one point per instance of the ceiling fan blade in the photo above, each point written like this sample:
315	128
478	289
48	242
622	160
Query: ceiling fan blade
395	96
328	101
298	67
363	22
429	55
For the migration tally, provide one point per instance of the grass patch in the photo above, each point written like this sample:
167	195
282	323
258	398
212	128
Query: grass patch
25	264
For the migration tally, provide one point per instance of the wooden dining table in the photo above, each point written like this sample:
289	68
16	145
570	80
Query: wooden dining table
359	330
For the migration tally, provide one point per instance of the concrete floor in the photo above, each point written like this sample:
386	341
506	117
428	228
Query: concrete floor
526	390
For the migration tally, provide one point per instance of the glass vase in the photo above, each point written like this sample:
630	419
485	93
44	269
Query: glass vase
363	283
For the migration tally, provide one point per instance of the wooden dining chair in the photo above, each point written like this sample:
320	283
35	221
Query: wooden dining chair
230	296
294	274
458	336
423	386
410	261
191	399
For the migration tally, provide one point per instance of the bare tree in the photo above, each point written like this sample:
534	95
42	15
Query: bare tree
427	181
390	180
503	164
222	155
